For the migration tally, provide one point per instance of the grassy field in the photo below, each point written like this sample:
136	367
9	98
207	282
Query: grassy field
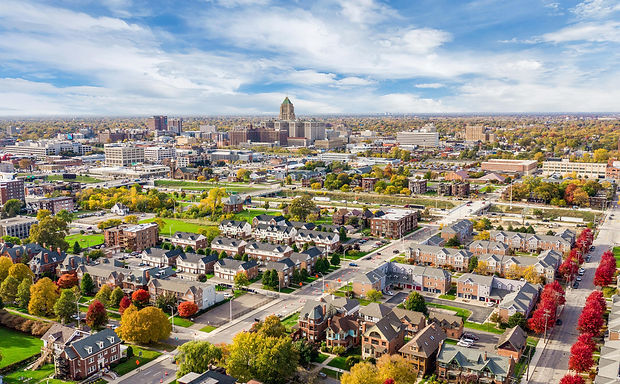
17	346
80	178
250	213
338	362
331	373
320	358
487	327
181	322
130	364
85	240
174	225
208	328
373	198
617	256
463	313
22	376
198	186
290	320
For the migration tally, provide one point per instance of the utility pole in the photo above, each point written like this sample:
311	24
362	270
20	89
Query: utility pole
172	318
77	307
546	316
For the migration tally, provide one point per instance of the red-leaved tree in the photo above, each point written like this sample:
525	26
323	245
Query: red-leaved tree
590	321
67	280
587	339
124	304
580	357
554	293
97	316
389	381
605	272
572	379
544	313
569	267
140	298
187	308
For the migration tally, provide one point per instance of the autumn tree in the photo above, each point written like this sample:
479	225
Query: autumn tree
116	296
580	357
361	373
482	268
241	280
43	296
187	309
144	326
572	379
67	280
49	231
514	272
5	264
532	276
97	316
131	219
21	271
301	207
65	306
8	290
124	304
23	293
140	298
196	356
103	295
373	295
396	368
604	274
271	327
415	302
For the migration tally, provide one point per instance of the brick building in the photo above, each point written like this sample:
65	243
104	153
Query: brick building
136	237
394	224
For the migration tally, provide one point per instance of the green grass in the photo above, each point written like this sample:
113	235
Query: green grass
85	240
616	251
129	365
338	362
331	373
290	320
181	322
84	299
198	186
447	297
208	328
609	291
450	341
354	255
174	225
17	346
461	312
80	178
22	376
487	327
251	213
321	357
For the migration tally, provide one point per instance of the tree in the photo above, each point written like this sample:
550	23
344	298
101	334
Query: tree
124	304
544	314
5	264
590	321
397	369
580	357
416	302
131	219
160	223
49	231
514	272
307	352
140	298
271	360
473	263
11	208
87	285
197	356
8	290
67	280
335	259
517	319
601	155
76	250
103	296
165	301
187	309
241	280
453	242
482	268
144	326
21	271
116	296
572	379
342	234
270	327
604	273
581	198
373	295
532	276
362	373
43	296
65	216
483	235
65	306
96	316
301	207
23	293
223	255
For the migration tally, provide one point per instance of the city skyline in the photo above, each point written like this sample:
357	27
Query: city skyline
130	57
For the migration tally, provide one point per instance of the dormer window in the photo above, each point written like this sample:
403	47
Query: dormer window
100	344
89	350
111	339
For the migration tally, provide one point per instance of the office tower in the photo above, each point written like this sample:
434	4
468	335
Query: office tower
287	111
157	123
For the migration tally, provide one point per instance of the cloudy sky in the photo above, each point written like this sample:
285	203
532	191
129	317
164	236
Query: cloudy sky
213	57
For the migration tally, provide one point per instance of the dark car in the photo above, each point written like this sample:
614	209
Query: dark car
558	322
576	284
352	265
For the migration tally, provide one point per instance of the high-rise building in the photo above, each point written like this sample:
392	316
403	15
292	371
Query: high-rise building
478	133
12	189
123	155
287	111
424	137
175	125
157	123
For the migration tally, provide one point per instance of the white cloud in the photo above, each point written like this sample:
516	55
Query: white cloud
366	11
590	31
430	85
596	9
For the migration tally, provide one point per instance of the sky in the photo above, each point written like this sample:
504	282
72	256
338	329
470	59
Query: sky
242	57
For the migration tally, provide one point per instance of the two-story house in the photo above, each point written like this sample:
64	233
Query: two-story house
235	229
201	294
275	234
267	251
387	336
185	239
421	350
232	247
227	269
457	364
452	325
306	259
326	241
457	259
158	257
196	264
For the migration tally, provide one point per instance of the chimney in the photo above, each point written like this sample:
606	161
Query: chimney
72	262
147	275
45	258
485	356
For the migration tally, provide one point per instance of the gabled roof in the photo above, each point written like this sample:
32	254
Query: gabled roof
341	303
426	341
227	242
521	299
188	236
442	317
107	336
410	316
474	359
388	327
514	336
234	223
229	263
267	247
375	310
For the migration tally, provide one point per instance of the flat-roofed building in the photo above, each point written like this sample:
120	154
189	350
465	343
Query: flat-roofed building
394	224
564	166
525	167
134	237
424	137
123	155
17	226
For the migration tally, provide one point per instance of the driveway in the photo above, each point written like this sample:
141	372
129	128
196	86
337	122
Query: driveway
478	314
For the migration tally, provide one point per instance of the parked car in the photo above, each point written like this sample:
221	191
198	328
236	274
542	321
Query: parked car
578	278
464	343
576	284
395	251
352	265
490	304
471	336
558	322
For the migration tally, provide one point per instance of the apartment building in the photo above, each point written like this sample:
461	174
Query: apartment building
386	337
227	268
185	239
368	183
275	234
201	294
545	264
457	259
487	247
404	276
325	241
528	242
394	223
52	204
158	257
235	229
136	237
462	229
424	137
195	264
270	220
457	364
123	155
17	226
418	187
232	247
12	189
268	252
156	155
565	166
525	167
421	350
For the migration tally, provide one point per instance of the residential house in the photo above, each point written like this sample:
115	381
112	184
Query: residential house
158	257
326	241
20	253
528	242
412	320
462	229
270	220
276	234
227	269
201	294
452	325
46	261
232	247
268	252
208	377
457	364
522	300
484	247
185	239
545	264
235	229
306	259
314	315
421	350
196	264
387	336
457	259
512	343
69	264
284	267
403	276
342	331
233	204
119	209
373	312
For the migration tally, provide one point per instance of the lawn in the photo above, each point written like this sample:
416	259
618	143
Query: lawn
250	213
208	328
617	256
198	186
331	373
487	327
129	365
609	291
174	225
181	322
80	178
451	295
290	320
17	346
338	362
463	313
354	255
85	240
320	358
22	376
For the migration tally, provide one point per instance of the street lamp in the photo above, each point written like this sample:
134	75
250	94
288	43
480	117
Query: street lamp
172	314
77	307
546	316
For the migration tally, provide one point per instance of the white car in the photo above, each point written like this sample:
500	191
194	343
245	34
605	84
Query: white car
578	278
465	343
490	304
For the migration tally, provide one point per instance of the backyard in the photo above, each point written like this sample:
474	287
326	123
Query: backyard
41	375
17	346
290	321
85	240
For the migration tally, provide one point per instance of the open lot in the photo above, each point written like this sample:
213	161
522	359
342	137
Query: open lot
240	305
174	225
478	314
17	346
85	240
198	186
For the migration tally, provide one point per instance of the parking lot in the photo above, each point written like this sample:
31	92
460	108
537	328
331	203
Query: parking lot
240	306
478	313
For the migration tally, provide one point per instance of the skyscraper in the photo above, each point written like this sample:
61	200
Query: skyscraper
287	111
157	123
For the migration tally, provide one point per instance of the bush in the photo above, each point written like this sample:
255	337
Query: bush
351	361
338	350
33	327
129	351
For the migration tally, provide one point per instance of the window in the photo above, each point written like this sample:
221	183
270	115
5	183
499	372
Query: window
91	359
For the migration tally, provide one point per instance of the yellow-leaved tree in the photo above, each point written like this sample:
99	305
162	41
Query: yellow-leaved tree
144	326
43	296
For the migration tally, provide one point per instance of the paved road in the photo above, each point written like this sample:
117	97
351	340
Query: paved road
464	211
553	363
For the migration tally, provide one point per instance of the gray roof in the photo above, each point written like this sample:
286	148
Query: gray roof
426	341
522	298
410	316
375	310
515	336
275	228
280	265
477	279
267	247
209	377
107	336
227	242
609	363
188	236
459	226
234	223
341	303
388	327
229	263
161	253
474	359
443	317
316	234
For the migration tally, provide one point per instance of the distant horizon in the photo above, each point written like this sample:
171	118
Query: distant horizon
331	57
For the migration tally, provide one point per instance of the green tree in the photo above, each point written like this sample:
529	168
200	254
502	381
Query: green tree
197	356
342	234
473	263
373	295
416	302
301	207
116	296
335	259
12	239
43	296
76	250
271	327
20	271
11	208
223	255
517	319
87	285
453	242
23	293
104	295
8	290
65	216
166	300
131	219
65	306
241	280
50	230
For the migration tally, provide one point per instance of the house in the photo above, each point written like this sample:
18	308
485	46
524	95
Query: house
196	264
306	259
373	312
460	175
523	301
314	315
55	339
284	267
208	377
185	239
270	220
387	336
46	261
461	365
20	253
529	242
512	343
69	264
421	350
462	229
103	275
268	252
613	324
276	234
457	259
235	229
88	355
227	268
342	331
158	257
201	294
326	241
545	264
403	276
483	247
412	320
233	204
232	247
119	209
452	325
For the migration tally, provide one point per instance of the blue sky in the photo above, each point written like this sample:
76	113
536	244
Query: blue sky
215	57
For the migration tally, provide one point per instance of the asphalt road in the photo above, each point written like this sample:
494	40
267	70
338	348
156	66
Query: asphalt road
553	363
